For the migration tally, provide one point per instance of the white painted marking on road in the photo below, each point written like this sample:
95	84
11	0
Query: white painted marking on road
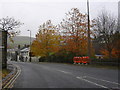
102	80
64	72
81	78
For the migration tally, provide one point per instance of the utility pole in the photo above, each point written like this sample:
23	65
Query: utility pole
30	46
89	43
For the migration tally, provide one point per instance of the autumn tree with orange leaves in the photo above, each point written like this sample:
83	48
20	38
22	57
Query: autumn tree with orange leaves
47	40
63	42
74	31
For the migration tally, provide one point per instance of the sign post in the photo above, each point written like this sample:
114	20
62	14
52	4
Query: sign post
3	48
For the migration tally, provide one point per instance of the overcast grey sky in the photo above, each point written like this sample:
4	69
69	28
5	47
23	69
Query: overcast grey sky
35	12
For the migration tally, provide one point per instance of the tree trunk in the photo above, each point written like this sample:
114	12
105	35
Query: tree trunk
110	55
4	50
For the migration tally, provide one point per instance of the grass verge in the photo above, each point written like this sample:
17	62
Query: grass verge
103	66
5	72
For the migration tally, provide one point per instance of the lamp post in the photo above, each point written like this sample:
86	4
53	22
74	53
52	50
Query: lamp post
30	45
89	43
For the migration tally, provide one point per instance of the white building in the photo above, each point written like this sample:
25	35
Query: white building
24	55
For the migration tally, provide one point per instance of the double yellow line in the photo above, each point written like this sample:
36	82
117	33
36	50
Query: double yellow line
10	83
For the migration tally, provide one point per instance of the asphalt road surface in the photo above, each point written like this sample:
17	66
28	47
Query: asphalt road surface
54	75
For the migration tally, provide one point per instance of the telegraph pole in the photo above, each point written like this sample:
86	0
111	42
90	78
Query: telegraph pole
89	44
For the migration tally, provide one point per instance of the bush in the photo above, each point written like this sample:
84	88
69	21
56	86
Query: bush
42	59
60	57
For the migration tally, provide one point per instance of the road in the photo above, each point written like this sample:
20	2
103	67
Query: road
54	75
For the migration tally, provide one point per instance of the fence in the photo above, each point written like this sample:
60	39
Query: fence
109	62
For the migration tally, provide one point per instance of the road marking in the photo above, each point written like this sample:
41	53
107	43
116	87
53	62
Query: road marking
19	72
64	72
81	78
102	80
10	83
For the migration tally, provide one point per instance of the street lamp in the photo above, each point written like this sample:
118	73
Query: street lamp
30	45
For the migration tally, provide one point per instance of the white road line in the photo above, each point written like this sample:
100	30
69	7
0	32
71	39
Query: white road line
91	82
102	80
64	72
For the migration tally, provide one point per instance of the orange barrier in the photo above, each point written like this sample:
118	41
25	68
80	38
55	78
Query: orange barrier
79	60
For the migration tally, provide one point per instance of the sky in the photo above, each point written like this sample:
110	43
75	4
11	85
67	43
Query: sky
35	12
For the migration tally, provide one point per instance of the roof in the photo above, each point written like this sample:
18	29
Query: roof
25	50
99	55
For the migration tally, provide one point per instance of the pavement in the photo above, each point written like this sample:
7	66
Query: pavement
55	75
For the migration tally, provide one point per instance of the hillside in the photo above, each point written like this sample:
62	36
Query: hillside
20	40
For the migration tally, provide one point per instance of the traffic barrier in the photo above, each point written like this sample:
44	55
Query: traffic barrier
81	60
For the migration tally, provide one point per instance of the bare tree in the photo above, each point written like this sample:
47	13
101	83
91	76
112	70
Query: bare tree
8	27
106	27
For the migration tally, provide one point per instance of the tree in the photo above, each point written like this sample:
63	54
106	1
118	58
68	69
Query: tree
8	27
47	40
115	53
74	31
106	27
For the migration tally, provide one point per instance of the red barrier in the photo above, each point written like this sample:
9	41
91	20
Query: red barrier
84	60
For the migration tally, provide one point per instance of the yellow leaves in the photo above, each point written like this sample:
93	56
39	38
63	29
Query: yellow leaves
72	35
47	40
